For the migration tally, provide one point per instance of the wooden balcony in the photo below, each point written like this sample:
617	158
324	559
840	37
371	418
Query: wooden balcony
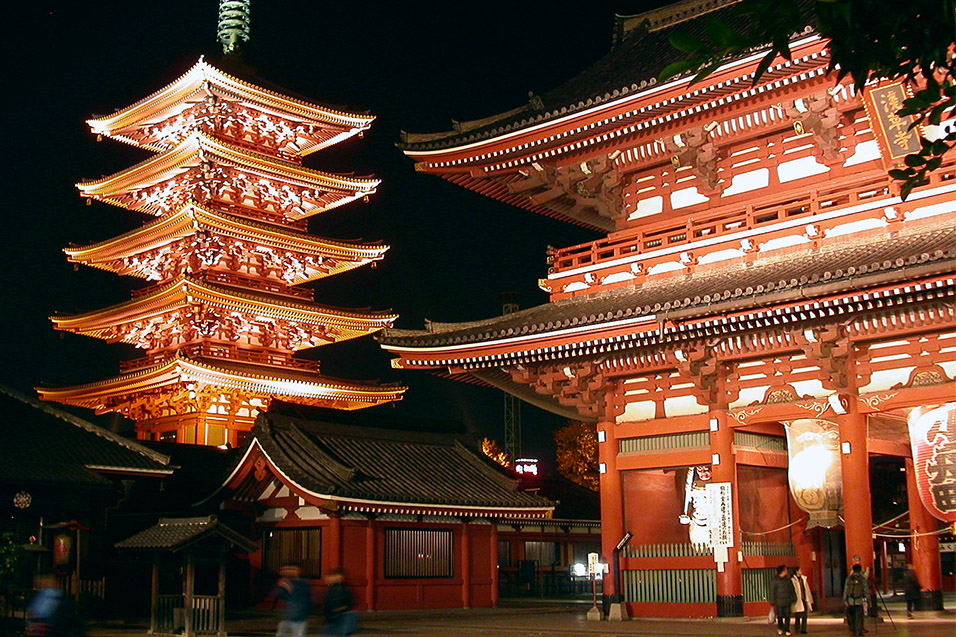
759	213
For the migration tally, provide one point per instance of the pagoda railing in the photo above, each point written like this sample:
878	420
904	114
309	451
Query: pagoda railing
825	197
223	351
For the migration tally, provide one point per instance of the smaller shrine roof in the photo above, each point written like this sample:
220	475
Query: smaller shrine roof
641	50
203	80
175	534
45	444
889	255
372	466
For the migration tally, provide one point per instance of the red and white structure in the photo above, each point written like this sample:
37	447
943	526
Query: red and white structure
759	279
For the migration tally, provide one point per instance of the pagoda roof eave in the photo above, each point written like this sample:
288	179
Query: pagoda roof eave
198	146
201	78
193	217
266	382
187	290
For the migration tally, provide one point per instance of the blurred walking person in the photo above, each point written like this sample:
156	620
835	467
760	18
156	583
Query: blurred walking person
782	596
339	617
911	590
294	591
804	603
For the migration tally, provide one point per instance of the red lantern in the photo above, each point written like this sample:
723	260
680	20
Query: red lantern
62	551
933	439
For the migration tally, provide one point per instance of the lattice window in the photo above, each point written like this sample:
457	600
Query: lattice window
544	553
756	583
666	441
418	553
504	553
293	546
685	586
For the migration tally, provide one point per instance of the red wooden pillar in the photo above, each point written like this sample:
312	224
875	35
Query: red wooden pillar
371	557
924	548
612	501
493	540
855	465
730	599
335	542
465	565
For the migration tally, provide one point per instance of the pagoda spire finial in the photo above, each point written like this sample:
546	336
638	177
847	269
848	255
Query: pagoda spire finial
234	21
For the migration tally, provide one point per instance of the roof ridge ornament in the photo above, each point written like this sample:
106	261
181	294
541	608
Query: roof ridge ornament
234	24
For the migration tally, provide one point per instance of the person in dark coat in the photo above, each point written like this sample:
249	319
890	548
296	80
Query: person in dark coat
340	619
911	590
855	599
295	592
781	597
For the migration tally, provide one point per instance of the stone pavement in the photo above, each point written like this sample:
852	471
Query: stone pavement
541	619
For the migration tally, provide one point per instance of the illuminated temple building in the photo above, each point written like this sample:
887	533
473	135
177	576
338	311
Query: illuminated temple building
222	317
762	319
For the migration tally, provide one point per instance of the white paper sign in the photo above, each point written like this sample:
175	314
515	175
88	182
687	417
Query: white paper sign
721	516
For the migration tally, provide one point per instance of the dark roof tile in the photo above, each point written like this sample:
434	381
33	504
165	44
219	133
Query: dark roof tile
42	443
383	465
835	266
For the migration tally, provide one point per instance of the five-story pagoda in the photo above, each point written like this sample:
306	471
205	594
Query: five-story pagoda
223	318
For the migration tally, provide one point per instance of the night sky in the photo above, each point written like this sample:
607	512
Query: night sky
415	66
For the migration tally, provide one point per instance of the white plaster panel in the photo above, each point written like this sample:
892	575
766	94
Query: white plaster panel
687	197
637	411
749	395
311	513
864	152
924	212
720	255
812	387
783	242
800	168
618	277
576	286
272	515
647	207
855	226
745	182
949	367
884	379
683	406
667	266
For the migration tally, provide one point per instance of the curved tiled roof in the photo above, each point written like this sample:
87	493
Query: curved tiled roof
632	65
175	534
42	443
836	267
380	465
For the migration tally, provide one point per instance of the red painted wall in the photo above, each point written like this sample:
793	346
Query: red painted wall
653	502
394	594
764	499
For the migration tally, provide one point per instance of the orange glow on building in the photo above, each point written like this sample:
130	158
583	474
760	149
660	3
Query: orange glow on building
222	319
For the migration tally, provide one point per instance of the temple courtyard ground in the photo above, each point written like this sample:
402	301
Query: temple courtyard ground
528	619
